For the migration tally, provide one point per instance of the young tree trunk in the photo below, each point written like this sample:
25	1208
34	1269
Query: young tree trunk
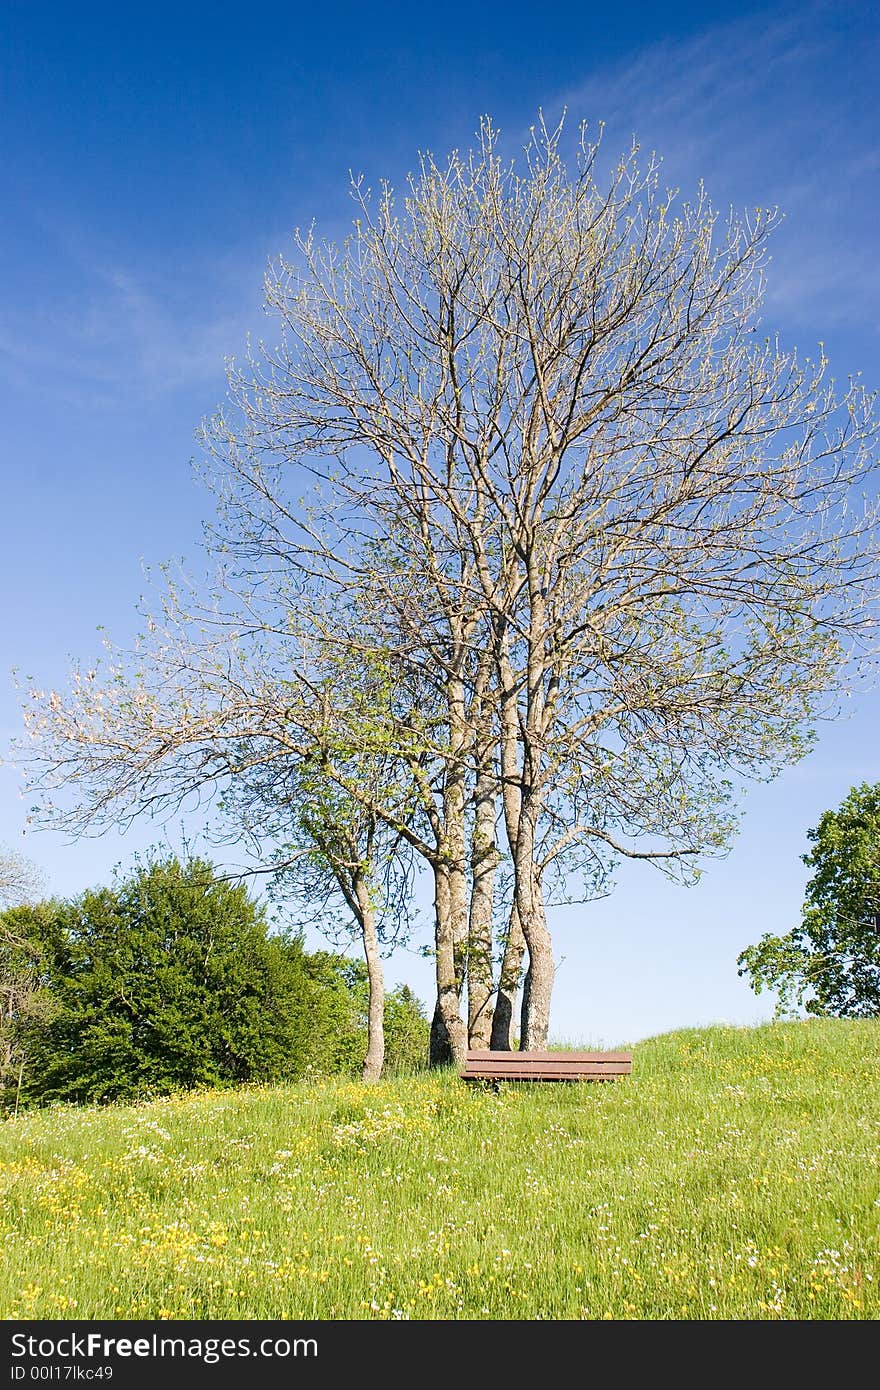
374	1061
450	879
508	985
511	801
458	908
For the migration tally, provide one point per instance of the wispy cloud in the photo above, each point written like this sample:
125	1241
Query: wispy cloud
771	110
115	328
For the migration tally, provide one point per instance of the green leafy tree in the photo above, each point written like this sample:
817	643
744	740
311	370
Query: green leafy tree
830	963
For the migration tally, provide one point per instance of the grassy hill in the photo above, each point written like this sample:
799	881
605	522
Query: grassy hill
734	1175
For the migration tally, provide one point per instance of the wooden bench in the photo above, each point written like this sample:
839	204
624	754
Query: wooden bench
494	1067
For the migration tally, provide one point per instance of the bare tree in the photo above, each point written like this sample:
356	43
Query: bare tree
640	507
612	529
23	998
20	879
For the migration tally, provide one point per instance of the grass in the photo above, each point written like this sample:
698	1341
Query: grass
733	1175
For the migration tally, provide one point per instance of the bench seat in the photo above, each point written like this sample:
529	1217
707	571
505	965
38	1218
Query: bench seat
545	1066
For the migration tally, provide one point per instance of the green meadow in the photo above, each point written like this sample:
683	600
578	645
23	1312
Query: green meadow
734	1174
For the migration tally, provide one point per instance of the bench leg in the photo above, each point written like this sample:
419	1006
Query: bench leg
485	1083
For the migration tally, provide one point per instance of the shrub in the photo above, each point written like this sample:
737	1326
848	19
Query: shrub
172	980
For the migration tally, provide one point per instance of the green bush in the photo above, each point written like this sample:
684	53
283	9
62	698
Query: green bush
341	1047
172	980
406	1032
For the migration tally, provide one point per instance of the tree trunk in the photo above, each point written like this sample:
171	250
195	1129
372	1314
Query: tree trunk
448	1031
527	925
439	1047
508	985
458	908
484	861
374	1061
530	905
454	851
524	1011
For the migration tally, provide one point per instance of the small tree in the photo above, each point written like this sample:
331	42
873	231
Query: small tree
406	1031
830	963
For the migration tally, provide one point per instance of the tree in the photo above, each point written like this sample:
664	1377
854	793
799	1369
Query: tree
604	538
830	962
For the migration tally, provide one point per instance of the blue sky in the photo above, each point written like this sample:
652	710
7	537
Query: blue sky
156	157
